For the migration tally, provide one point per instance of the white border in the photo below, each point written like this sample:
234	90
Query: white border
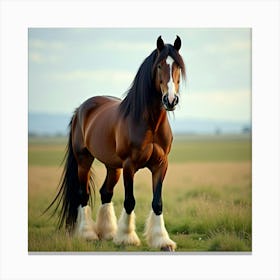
17	16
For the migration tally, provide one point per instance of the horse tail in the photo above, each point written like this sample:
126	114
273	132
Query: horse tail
69	194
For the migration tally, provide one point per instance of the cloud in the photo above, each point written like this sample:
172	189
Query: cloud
229	97
42	58
115	46
228	47
227	105
43	51
36	57
39	44
125	45
102	76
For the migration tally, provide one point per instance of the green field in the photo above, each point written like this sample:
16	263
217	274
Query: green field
207	196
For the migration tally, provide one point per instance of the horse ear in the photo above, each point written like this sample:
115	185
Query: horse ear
177	43
160	43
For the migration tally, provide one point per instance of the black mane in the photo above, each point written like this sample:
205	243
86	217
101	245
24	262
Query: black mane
142	92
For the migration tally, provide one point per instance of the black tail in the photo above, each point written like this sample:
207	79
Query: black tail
69	195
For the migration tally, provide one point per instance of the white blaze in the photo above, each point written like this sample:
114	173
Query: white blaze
170	84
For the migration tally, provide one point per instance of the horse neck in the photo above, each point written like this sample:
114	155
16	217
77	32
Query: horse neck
159	120
156	115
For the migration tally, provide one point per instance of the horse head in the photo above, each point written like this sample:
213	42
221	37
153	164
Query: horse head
169	67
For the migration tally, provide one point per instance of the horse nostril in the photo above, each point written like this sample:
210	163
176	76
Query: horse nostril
175	101
165	99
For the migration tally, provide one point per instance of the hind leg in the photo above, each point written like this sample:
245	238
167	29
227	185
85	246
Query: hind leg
106	219
85	226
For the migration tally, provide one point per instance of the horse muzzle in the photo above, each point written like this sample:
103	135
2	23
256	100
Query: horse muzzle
166	103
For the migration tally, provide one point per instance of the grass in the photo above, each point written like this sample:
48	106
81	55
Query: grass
212	149
207	197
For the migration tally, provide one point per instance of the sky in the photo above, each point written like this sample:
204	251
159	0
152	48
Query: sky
68	65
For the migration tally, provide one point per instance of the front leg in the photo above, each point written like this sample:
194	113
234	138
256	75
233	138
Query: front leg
155	231
126	233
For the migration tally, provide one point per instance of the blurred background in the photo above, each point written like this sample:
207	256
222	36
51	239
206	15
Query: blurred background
69	65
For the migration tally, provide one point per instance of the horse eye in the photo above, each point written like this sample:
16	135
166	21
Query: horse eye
159	66
160	81
178	82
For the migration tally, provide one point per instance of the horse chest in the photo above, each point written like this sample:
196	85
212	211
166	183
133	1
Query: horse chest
149	153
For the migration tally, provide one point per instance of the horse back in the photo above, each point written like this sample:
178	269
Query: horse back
92	108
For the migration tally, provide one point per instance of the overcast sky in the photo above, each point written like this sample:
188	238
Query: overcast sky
67	66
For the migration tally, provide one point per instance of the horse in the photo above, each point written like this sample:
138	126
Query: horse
125	135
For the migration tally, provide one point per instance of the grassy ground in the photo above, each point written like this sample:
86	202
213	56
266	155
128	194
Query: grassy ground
207	196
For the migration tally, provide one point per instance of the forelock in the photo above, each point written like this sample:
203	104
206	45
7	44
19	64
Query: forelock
169	50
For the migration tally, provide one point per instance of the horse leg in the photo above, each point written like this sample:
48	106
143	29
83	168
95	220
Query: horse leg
126	234
106	219
85	226
155	231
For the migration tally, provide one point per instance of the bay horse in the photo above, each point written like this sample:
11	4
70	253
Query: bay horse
127	134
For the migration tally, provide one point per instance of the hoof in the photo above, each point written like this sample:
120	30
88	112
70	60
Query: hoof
89	236
127	239
167	249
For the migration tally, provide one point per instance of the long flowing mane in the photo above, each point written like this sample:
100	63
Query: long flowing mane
141	94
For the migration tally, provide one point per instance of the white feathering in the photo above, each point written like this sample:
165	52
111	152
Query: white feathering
106	221
156	233
85	226
126	234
